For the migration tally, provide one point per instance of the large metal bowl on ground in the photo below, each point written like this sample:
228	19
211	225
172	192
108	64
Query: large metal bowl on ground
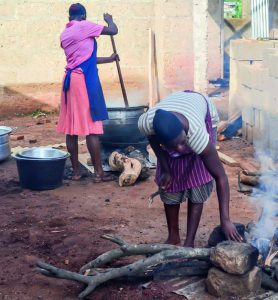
121	130
42	153
5	149
41	173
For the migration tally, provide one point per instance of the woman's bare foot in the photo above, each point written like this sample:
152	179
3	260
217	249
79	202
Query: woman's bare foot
103	178
173	241
75	177
188	244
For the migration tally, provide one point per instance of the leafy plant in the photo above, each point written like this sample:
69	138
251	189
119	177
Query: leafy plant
233	9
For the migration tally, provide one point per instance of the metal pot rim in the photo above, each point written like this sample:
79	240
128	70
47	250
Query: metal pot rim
24	153
127	108
6	129
16	157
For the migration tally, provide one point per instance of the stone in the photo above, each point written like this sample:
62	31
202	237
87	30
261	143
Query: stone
234	258
222	284
217	236
15	137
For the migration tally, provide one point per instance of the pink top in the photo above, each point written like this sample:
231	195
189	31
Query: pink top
77	41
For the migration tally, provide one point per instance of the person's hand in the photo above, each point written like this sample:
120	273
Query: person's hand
107	18
165	180
114	57
231	232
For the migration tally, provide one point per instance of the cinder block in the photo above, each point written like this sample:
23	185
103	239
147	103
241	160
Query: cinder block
274	33
272	95
246	95
261	129
248	115
273	135
273	65
235	97
247	132
266	54
253	76
258	99
249	49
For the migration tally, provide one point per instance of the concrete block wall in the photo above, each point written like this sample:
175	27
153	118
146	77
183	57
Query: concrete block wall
254	82
31	55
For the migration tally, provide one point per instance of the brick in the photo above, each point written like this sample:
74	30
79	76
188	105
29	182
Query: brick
33	141
15	137
249	49
40	122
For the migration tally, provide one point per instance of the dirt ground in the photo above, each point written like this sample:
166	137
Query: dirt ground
64	226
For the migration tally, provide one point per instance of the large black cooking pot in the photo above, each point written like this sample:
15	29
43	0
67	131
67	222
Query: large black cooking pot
121	130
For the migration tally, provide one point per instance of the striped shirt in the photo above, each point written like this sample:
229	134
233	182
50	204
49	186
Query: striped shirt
193	107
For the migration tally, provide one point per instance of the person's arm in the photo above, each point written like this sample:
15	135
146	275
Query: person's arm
106	60
213	164
162	157
112	28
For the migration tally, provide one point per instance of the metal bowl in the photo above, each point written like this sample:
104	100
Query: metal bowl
5	130
5	149
42	153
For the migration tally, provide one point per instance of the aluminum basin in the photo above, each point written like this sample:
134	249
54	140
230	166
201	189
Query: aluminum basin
42	153
5	149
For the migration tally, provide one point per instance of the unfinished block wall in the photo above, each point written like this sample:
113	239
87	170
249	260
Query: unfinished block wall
253	90
32	62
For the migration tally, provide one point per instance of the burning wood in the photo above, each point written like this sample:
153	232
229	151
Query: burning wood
250	180
272	252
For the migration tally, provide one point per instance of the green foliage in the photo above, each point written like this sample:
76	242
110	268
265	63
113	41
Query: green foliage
233	9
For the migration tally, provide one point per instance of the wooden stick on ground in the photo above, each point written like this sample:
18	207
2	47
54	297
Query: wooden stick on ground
138	267
250	180
228	160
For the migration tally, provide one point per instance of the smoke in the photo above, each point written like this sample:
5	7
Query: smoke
266	198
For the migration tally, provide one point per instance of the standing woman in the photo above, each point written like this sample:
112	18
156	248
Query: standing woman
83	105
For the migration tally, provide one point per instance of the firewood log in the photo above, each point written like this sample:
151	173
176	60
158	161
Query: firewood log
249	180
130	168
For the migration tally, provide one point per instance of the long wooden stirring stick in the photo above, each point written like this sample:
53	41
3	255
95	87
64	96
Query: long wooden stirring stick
120	73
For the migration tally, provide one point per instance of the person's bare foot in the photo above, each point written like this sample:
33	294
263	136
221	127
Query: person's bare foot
173	241
76	177
188	244
103	178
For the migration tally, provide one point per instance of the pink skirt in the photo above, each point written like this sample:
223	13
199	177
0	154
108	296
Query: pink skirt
75	116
